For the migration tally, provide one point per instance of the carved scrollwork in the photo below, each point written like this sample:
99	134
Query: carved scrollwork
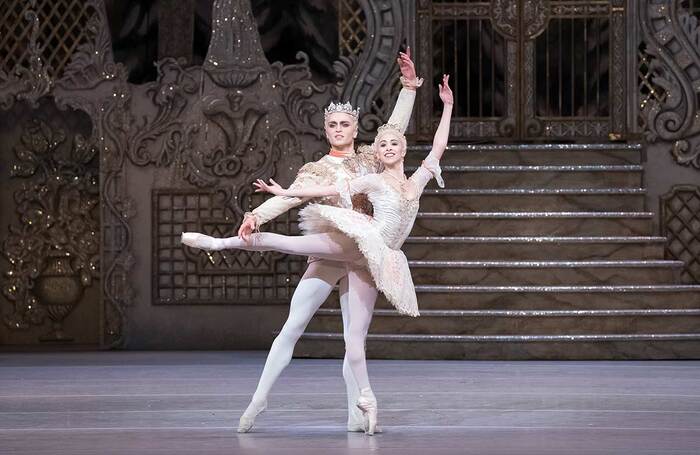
93	61
686	154
170	94
504	15
57	218
535	16
363	80
93	83
297	92
27	83
672	36
581	10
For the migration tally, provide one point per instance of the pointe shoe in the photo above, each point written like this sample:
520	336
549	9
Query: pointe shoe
247	420
355	427
196	240
368	405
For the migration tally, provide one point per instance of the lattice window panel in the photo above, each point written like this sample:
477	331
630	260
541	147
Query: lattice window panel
62	28
183	275
648	91
680	216
352	27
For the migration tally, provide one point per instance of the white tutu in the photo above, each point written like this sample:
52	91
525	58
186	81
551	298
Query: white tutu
388	267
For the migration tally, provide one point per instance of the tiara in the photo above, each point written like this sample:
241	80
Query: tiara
389	127
342	108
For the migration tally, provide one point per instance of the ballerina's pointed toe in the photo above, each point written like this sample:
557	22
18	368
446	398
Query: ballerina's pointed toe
368	405
247	420
195	240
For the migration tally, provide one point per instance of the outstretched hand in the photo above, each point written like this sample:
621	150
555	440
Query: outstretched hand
272	187
445	90
408	69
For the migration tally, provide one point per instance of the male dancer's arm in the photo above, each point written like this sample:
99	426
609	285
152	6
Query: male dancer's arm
275	206
403	108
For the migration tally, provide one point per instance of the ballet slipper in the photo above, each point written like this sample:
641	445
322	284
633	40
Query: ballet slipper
368	405
247	420
355	427
197	240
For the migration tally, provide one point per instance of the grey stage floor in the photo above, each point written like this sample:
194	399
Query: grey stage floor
189	403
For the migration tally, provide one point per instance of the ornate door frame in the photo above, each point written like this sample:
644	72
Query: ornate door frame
520	24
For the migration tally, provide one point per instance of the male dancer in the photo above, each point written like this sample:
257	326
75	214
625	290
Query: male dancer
341	163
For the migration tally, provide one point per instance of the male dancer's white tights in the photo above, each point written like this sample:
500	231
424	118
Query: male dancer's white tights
357	298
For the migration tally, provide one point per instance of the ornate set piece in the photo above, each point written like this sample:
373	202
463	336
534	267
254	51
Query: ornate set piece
180	153
205	132
672	114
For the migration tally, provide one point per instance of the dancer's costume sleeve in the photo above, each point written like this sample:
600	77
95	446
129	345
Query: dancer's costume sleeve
401	114
360	185
427	170
309	174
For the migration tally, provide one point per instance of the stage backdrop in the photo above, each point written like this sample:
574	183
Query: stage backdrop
107	156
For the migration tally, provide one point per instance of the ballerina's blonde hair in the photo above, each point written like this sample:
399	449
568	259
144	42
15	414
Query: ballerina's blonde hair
389	129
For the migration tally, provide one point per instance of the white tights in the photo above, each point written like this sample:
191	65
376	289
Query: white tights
357	298
332	246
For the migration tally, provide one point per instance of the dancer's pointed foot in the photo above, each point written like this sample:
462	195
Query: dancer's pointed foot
368	405
354	427
247	420
197	240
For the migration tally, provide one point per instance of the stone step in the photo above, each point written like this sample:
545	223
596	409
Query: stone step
597	297
532	247
531	154
489	176
521	199
521	322
514	223
643	346
545	272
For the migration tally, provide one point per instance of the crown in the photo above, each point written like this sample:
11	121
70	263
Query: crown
389	127
342	108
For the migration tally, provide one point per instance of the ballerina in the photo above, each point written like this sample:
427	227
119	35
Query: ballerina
341	163
368	245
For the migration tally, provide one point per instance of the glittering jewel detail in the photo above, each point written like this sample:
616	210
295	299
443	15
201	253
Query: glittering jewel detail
343	108
387	127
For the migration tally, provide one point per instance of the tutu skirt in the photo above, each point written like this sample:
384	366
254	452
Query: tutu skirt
388	267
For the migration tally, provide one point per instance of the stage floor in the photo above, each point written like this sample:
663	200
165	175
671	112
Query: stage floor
189	403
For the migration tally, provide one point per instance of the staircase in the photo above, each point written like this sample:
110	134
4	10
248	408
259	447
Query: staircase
532	252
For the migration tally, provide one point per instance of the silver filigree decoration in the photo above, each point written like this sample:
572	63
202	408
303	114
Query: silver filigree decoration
672	36
27	83
57	217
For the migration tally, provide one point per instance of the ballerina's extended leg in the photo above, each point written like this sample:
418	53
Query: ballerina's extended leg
332	246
